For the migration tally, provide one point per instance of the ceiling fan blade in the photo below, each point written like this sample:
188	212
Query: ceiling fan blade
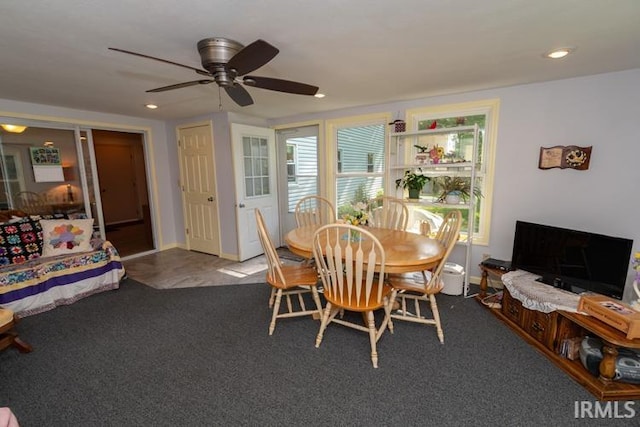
197	70
252	57
287	86
239	95
181	85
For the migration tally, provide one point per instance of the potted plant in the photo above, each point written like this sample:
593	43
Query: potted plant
413	181
455	188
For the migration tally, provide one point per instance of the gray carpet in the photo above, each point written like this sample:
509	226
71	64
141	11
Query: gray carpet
202	356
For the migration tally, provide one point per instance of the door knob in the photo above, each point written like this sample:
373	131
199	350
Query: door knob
210	199
241	205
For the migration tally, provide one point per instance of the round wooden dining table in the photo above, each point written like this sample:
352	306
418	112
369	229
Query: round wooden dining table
405	251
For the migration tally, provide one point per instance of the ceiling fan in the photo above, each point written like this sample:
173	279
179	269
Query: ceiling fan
227	63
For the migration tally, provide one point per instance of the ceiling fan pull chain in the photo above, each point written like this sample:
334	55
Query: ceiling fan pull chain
219	99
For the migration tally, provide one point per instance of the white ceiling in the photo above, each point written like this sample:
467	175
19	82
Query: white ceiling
359	52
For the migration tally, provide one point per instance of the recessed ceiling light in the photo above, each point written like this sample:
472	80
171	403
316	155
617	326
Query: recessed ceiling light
319	95
559	53
151	106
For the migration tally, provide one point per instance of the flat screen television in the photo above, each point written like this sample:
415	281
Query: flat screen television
573	260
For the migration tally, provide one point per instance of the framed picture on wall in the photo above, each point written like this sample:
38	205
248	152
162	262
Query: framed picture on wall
569	156
49	156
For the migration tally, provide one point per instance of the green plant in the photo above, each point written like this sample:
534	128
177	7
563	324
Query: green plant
412	180
457	185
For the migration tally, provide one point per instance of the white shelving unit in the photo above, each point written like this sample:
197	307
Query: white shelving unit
401	156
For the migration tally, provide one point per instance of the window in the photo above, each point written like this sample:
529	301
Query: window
10	176
302	165
370	157
484	114
292	162
256	166
360	152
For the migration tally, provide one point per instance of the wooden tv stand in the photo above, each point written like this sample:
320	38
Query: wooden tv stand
546	331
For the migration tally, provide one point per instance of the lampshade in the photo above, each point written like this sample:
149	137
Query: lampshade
13	128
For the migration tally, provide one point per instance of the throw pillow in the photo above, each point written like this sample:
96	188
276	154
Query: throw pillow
65	236
20	241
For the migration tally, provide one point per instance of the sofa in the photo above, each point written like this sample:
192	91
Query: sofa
48	261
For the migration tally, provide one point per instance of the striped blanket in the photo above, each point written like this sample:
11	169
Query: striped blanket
44	283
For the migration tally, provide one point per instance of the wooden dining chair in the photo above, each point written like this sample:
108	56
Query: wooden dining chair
422	287
388	212
31	203
287	281
314	210
346	257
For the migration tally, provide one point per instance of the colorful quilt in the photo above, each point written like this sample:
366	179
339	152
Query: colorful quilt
44	283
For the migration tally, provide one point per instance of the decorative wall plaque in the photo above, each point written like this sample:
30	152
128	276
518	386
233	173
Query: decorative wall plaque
563	157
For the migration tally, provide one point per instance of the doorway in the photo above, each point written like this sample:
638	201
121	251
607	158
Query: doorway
124	195
254	157
298	150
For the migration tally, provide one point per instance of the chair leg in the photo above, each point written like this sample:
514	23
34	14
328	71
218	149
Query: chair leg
271	297
389	307
11	339
436	317
276	309
325	321
316	299
372	338
22	346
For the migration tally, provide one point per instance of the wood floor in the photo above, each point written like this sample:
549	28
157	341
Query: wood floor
131	238
179	268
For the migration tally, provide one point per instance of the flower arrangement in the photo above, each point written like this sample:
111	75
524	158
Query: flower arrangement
436	154
359	216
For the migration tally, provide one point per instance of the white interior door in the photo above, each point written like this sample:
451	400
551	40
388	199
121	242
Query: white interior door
254	161
198	180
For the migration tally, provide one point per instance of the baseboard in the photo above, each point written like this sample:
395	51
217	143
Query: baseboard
232	257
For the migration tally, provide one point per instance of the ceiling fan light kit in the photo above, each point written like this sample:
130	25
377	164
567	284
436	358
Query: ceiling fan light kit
226	62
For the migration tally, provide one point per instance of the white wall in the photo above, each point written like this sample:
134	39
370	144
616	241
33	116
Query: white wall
601	111
163	165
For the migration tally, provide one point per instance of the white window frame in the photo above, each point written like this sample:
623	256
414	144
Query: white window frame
19	179
489	108
293	162
332	127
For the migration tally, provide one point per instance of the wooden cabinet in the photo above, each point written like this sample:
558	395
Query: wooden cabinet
512	308
546	331
541	326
